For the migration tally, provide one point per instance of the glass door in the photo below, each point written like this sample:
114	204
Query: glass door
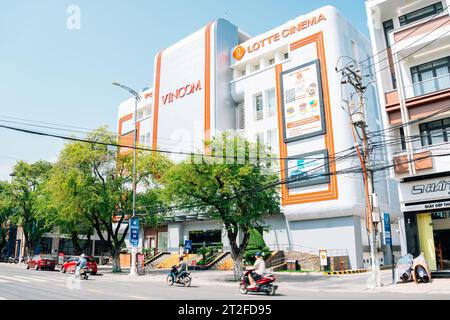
426	239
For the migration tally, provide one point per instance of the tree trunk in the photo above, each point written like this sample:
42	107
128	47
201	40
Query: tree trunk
237	265
76	243
116	260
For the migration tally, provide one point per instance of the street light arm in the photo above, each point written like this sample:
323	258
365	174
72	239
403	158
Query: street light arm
134	93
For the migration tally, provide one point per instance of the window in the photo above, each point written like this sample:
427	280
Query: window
434	132
257	67
286	55
388	26
271	61
259	138
240	123
272	136
421	13
402	138
259	107
271	102
431	76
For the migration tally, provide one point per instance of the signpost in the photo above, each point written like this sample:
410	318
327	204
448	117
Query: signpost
141	264
323	258
134	232
388	240
187	248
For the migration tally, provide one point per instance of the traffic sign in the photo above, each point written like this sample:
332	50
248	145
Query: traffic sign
134	232
188	245
387	229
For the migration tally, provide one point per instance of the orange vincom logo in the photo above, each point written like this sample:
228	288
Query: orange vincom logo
238	53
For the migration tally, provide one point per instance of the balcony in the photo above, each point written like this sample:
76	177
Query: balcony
422	98
427	86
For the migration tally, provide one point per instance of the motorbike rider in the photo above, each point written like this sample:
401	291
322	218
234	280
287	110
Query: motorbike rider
181	266
81	264
257	271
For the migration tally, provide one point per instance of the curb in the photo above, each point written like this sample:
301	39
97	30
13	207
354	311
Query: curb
336	273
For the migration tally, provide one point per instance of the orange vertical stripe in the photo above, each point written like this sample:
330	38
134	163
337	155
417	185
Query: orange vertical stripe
332	192
156	101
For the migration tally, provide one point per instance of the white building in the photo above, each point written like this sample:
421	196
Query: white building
280	87
411	40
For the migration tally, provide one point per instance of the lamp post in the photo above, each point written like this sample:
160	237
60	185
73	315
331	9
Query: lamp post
137	98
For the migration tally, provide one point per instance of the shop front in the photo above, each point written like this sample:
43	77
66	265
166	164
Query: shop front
155	239
426	208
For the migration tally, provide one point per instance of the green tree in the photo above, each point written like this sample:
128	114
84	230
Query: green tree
239	193
91	181
256	244
26	189
6	210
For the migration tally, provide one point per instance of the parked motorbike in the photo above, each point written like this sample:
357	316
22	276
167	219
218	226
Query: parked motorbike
420	270
264	284
409	268
403	270
13	260
183	278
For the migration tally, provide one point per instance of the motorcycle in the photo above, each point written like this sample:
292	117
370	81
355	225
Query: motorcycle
183	278
409	268
13	260
83	273
420	270
263	284
403	268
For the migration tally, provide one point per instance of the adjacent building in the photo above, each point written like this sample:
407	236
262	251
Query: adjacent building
411	45
281	88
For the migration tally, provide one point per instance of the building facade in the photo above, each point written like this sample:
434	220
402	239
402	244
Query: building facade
280	88
411	43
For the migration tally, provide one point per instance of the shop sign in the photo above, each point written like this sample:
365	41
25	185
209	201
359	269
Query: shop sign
134	232
426	206
302	102
323	258
425	194
387	228
181	92
240	51
308	169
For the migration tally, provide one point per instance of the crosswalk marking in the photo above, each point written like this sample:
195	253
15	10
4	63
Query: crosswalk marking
31	278
4	281
15	279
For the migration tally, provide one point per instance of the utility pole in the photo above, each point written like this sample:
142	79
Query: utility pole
137	98
351	75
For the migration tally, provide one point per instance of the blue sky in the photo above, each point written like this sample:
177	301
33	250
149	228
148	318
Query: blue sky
52	74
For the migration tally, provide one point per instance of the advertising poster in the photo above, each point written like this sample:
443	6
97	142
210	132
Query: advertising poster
302	102
308	169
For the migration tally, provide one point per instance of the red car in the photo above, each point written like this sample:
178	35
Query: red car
71	264
41	262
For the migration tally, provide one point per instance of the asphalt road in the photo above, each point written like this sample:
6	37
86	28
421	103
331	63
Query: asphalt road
20	284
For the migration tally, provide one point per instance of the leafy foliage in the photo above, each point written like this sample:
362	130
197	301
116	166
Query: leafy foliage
255	244
239	192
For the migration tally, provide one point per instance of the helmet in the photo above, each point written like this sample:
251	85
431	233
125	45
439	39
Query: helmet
258	254
83	255
180	257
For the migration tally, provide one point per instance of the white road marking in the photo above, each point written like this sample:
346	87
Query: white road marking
14	279
139	297
4	281
31	278
1	298
95	291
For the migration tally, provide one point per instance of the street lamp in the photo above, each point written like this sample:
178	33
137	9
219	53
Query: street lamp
137	98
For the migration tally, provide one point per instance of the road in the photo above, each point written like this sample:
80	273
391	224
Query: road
20	284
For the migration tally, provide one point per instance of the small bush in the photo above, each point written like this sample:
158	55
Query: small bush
256	243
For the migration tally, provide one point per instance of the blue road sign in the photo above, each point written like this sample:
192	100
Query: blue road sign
387	229
134	232
188	245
